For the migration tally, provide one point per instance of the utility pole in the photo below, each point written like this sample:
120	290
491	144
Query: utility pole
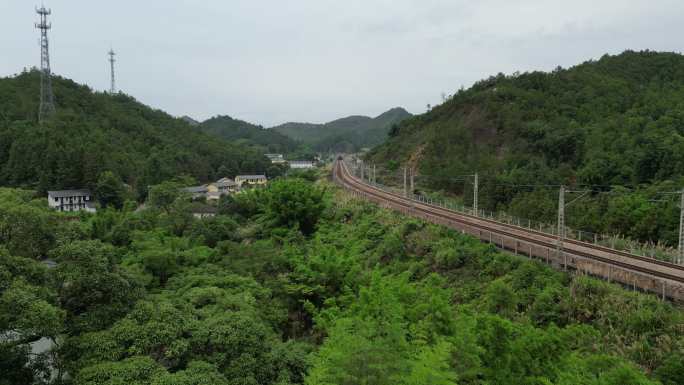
680	255
412	185
47	104
405	187
375	180
561	223
112	89
475	193
362	166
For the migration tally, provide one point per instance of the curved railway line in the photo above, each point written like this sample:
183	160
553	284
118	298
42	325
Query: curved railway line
664	278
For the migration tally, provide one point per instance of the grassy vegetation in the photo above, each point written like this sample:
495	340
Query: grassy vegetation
300	284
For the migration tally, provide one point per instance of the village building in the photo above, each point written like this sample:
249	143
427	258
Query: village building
275	158
226	186
71	200
213	191
251	180
301	164
196	192
201	211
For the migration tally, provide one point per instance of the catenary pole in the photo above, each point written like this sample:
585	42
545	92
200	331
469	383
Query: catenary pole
475	193
680	255
561	223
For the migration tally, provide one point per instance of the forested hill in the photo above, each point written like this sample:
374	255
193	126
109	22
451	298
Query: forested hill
93	132
347	134
615	121
234	129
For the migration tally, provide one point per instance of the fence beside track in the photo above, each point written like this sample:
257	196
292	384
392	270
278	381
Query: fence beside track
662	278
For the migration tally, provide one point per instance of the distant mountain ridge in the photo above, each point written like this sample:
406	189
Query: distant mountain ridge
346	134
189	120
232	129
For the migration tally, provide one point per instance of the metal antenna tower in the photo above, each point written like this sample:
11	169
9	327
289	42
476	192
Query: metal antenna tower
112	89
47	104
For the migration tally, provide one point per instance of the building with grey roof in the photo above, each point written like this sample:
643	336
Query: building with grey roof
71	200
252	180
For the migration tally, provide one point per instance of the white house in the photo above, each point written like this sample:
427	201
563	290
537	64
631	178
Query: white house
250	180
71	200
275	158
301	164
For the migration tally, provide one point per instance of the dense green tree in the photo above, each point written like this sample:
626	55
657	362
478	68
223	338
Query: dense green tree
163	195
197	373
25	229
15	365
294	203
29	313
214	230
431	366
136	370
92	289
501	299
110	191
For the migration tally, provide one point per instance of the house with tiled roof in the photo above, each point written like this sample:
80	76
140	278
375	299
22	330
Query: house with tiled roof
251	180
71	200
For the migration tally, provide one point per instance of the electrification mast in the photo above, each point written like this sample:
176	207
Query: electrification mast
476	210
680	254
561	223
47	104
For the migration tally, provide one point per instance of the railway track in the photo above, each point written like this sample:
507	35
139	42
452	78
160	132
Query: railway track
669	274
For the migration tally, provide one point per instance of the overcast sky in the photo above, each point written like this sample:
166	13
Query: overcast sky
275	61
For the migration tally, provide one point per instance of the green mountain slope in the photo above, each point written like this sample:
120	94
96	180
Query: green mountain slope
347	134
615	121
190	120
234	129
93	132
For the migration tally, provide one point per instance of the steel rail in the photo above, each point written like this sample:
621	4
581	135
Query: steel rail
542	239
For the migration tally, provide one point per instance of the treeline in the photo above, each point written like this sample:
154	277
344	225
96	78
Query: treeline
96	132
618	121
270	141
349	134
298	284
